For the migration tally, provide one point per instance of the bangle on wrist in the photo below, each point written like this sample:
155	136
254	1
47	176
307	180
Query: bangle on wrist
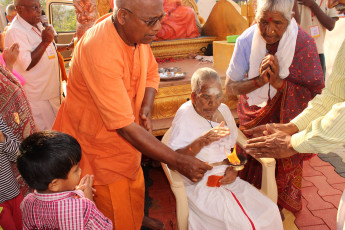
283	85
190	149
256	83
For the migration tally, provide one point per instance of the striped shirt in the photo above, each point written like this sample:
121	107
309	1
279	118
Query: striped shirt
322	123
65	210
9	187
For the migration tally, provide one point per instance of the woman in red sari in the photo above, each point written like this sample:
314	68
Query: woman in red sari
276	71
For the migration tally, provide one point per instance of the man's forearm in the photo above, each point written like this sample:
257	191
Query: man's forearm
323	18
37	54
148	144
149	98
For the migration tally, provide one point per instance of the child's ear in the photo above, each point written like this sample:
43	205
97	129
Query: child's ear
54	186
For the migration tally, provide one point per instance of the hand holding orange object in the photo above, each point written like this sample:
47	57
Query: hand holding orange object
229	176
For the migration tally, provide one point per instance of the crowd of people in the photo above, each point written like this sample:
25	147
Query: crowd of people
102	128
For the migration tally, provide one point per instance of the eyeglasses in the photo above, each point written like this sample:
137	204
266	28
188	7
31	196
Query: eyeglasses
149	23
33	7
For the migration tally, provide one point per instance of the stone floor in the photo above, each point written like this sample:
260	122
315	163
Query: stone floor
323	176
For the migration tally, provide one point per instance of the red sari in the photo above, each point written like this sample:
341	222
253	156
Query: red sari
16	113
303	83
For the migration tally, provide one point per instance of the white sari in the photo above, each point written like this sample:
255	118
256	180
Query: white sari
235	206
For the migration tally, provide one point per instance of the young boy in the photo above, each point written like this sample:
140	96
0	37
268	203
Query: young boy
49	163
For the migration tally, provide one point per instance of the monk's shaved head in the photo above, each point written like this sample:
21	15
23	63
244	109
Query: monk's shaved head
136	4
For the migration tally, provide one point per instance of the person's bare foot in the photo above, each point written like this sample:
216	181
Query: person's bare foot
152	223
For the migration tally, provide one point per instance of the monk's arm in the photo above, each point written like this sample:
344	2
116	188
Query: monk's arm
148	100
145	114
147	144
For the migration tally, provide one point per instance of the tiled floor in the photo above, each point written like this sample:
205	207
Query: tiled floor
321	190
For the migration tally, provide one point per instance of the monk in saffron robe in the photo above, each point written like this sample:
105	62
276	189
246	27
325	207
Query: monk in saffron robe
112	83
179	22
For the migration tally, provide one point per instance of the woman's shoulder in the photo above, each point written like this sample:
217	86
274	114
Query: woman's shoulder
303	37
247	35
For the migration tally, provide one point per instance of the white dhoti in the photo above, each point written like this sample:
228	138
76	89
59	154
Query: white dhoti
44	112
234	206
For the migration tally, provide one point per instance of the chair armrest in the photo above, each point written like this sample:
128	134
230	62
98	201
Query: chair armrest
173	176
268	182
177	187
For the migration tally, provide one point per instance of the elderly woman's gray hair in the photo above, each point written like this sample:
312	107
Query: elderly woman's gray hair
202	76
283	6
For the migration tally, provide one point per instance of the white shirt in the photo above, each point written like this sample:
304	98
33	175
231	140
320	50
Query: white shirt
42	80
308	20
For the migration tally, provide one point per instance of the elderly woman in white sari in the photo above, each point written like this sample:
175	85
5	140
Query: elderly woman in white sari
275	70
205	128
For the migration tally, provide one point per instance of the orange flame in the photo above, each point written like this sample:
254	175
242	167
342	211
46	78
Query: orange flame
232	157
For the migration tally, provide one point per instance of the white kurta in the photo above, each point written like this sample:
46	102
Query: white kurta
42	85
235	206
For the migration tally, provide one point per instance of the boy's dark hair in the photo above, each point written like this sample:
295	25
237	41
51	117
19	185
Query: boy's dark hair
45	156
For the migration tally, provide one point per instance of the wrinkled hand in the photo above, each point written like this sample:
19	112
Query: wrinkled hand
2	137
274	143
273	72
10	55
308	3
289	128
229	176
145	118
48	35
85	185
191	167
263	71
214	134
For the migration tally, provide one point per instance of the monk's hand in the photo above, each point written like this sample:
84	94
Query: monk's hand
214	134
289	128
275	143
229	176
191	167
145	118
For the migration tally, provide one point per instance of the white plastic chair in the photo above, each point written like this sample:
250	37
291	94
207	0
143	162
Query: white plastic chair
268	184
